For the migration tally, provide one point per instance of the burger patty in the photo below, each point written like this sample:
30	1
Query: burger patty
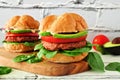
63	46
20	39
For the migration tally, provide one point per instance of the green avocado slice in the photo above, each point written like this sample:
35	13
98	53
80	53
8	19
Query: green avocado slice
109	44
112	48
20	31
44	33
76	35
79	34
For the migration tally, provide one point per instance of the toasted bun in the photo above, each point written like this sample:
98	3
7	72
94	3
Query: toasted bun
22	22
68	22
61	58
17	48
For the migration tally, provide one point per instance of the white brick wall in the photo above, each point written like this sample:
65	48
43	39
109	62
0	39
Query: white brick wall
102	14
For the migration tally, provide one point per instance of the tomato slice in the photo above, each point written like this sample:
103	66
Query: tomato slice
22	34
62	40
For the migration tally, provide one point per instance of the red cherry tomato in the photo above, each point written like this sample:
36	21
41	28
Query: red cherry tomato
61	40
100	40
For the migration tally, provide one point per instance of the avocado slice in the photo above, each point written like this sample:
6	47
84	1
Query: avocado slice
20	31
44	33
109	44
112	48
79	34
75	35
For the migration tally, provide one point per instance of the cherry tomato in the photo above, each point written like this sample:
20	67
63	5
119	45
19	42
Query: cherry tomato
100	40
22	34
62	40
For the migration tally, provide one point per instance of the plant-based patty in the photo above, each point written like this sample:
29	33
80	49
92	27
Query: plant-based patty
20	39
63	46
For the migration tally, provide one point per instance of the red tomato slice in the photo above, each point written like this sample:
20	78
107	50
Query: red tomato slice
22	34
61	40
100	40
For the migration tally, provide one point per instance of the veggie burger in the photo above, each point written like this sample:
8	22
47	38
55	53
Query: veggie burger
63	38
21	34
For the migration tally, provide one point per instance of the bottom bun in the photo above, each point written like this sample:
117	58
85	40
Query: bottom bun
61	58
17	47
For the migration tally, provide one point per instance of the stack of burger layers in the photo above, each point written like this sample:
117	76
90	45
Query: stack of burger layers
21	34
63	41
63	45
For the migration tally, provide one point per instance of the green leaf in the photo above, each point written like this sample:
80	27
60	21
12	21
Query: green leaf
34	60
40	53
118	68
78	51
4	70
29	44
51	54
47	53
38	46
22	58
89	44
95	61
101	49
112	66
71	53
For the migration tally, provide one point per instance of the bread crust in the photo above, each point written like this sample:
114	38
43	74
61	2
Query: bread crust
67	22
16	48
22	22
61	58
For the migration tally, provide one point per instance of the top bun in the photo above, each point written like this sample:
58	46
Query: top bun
22	22
67	22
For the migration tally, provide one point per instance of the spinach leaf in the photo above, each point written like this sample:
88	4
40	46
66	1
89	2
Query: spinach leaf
77	51
101	49
29	44
95	61
118	68
38	47
113	66
51	54
4	70
71	54
40	53
34	60
22	58
47	53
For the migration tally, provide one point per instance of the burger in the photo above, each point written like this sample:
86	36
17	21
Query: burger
63	38
21	34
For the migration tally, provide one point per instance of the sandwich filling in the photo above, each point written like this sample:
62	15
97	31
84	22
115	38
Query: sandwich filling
51	45
21	36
